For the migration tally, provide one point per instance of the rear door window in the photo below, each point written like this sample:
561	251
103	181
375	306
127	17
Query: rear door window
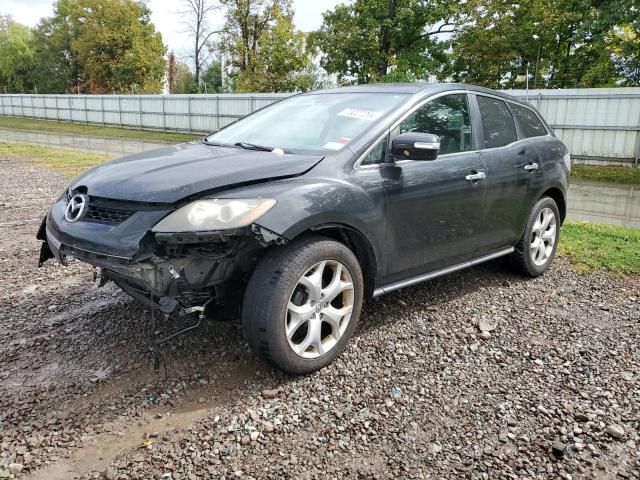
497	122
530	123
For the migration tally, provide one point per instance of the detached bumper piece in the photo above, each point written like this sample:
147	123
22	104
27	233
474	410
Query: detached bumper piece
45	251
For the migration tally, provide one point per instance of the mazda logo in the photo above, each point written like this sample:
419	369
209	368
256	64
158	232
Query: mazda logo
76	208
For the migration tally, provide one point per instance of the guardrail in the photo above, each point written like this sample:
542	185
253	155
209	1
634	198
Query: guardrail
597	124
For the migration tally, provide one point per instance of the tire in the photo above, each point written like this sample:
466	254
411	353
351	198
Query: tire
528	259
277	331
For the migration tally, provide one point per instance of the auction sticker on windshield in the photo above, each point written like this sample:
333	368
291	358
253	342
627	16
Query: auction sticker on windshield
359	114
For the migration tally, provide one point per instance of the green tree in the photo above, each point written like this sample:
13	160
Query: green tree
59	70
16	56
625	45
377	40
184	79
267	54
562	43
212	79
620	22
99	46
118	46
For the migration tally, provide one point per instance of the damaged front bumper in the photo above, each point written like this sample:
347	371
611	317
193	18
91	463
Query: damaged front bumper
165	270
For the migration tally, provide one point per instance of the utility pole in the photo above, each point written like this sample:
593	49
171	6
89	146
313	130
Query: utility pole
535	75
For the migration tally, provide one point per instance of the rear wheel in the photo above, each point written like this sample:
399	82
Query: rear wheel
302	304
536	249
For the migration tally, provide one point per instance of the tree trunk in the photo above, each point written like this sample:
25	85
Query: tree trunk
196	56
385	44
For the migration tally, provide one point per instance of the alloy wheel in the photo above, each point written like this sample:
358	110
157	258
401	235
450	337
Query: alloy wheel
319	309
543	236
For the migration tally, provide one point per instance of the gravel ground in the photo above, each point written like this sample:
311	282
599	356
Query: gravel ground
481	374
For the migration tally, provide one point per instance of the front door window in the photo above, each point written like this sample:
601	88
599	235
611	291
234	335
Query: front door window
448	117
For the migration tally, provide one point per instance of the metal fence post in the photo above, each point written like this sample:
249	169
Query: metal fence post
636	149
140	111
86	111
217	112
120	110
102	108
189	111
164	114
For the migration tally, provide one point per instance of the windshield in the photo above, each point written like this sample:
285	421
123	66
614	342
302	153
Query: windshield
310	122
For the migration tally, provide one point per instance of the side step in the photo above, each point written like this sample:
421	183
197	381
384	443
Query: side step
438	273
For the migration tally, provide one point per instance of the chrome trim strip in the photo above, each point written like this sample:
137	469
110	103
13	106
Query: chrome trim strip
427	146
516	101
437	273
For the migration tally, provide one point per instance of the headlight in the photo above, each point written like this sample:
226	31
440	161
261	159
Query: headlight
216	214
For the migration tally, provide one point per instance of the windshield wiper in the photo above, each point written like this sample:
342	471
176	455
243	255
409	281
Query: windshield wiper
215	144
253	146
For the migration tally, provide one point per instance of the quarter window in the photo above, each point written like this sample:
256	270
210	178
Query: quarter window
529	122
497	122
448	117
377	154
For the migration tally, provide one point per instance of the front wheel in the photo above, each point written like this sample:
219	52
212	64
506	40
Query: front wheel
302	304
536	248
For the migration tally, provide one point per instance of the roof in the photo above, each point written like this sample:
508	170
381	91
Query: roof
416	88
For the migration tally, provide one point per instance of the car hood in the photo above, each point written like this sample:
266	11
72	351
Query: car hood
170	174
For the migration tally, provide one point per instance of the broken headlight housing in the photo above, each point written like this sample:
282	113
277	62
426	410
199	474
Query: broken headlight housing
214	214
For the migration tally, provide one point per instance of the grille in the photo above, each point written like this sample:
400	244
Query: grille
107	215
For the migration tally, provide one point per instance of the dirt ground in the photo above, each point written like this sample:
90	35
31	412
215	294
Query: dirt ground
552	391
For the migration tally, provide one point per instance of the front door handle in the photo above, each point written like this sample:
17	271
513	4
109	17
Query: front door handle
531	166
475	176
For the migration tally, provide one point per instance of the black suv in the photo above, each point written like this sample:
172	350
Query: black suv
292	216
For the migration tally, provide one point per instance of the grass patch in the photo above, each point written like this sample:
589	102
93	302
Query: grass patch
606	173
32	125
595	246
69	162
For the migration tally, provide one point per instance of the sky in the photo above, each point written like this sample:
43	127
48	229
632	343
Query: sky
308	16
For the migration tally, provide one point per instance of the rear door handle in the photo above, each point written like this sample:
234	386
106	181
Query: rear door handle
473	177
531	166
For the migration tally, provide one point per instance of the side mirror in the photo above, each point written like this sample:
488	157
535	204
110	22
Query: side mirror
415	146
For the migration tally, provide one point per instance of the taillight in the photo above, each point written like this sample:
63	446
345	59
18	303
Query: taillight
567	161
